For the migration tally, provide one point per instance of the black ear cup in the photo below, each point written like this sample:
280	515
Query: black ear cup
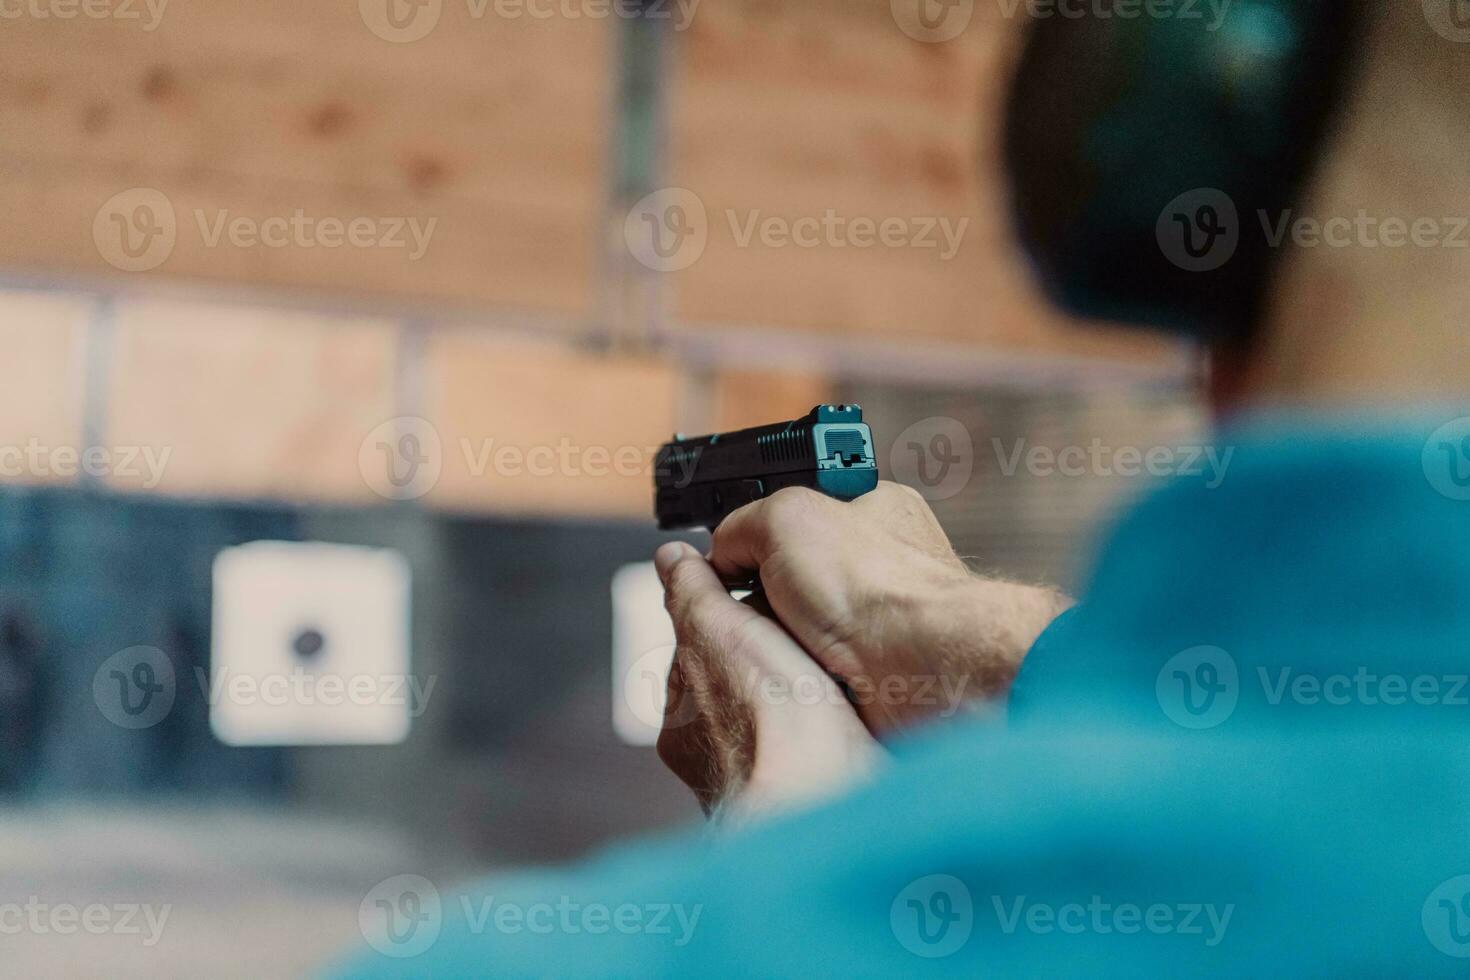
1143	151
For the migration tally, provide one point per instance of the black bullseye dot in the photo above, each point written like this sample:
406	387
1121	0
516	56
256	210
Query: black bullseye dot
308	643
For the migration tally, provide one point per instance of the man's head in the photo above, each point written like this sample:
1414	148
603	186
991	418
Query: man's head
1241	180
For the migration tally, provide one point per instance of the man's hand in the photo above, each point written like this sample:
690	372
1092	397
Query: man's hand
874	592
752	722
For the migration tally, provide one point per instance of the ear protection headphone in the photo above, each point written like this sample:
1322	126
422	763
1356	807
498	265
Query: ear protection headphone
1143	151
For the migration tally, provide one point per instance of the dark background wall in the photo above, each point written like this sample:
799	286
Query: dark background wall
514	758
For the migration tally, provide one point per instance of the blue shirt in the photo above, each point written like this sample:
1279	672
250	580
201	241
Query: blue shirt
1246	753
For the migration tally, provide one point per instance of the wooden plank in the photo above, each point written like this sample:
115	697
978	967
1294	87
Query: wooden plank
530	256
745	397
43	336
248	402
494	126
531	427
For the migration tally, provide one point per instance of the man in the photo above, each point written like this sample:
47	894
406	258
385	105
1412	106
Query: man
1245	750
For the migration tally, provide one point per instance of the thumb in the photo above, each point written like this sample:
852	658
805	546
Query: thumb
693	593
724	634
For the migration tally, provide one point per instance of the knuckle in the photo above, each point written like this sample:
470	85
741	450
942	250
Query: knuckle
794	504
898	494
704	615
748	524
913	496
698	617
908	503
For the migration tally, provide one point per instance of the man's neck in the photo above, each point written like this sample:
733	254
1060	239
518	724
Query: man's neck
1377	312
1365	327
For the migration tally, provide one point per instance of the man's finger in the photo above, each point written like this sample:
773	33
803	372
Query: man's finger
745	539
713	627
693	592
889	496
741	542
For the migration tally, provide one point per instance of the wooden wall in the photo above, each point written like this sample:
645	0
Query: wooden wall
496	128
266	368
792	110
241	401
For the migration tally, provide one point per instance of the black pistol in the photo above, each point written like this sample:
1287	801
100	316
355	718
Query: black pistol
699	481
